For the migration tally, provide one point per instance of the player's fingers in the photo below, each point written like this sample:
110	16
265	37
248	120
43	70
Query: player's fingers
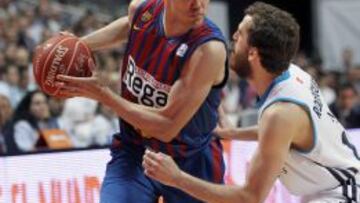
145	165
65	78
161	155
69	91
67	86
67	33
61	95
91	64
64	95
150	162
76	80
60	84
150	173
152	155
149	154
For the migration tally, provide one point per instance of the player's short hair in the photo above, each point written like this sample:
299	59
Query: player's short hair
275	33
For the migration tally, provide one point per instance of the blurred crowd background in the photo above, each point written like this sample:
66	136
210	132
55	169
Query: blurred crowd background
26	113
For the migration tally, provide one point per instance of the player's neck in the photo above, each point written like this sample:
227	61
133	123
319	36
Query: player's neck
173	26
262	81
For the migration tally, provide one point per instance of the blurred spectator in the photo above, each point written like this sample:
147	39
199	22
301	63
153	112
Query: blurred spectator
313	71
347	106
31	117
231	101
248	95
327	83
23	25
301	59
22	58
347	58
5	116
106	123
77	119
10	53
56	106
94	129
11	85
2	65
354	76
85	24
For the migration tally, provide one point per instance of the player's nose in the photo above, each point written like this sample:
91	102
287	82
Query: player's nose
195	4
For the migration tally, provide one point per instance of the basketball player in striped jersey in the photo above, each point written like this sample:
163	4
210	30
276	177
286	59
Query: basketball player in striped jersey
299	139
172	76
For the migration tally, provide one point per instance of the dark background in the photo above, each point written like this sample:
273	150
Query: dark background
301	10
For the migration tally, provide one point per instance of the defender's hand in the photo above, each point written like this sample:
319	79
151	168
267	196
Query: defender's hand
161	167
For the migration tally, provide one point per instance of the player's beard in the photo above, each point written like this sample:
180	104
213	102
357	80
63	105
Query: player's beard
240	64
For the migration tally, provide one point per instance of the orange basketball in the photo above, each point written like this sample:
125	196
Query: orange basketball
61	54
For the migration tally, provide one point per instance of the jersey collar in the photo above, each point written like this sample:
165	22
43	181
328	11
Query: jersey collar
284	76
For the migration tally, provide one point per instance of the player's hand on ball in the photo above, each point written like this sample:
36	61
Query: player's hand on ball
67	33
161	167
90	87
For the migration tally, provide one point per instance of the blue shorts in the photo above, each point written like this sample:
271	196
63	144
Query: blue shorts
125	181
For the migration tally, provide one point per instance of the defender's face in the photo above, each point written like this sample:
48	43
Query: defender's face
240	51
191	11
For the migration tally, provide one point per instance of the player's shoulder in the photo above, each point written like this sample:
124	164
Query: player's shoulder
213	49
284	110
207	29
135	5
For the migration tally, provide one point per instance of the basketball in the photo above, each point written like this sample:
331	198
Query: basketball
61	54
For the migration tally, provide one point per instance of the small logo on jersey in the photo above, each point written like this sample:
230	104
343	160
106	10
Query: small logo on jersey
299	80
182	50
146	16
275	92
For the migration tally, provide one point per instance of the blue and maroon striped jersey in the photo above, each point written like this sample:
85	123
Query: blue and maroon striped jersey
152	64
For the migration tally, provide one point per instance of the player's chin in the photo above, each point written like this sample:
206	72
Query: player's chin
196	20
232	61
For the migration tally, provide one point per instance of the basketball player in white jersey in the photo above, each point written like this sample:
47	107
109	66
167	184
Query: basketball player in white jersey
299	140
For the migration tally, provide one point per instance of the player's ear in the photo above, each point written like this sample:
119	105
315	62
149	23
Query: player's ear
253	53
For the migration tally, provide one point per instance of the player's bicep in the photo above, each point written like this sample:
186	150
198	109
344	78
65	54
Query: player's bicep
195	82
273	149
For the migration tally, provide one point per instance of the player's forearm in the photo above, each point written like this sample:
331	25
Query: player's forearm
149	120
109	36
210	192
247	134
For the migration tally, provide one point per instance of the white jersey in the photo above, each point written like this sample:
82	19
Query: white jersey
332	165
